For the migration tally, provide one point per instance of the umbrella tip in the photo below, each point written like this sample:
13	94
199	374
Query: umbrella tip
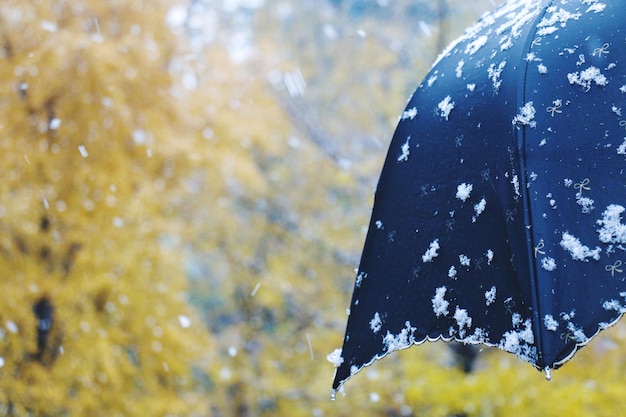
333	395
548	373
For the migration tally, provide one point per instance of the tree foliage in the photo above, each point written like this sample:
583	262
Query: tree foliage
94	318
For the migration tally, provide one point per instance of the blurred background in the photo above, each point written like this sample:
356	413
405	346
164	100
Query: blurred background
185	192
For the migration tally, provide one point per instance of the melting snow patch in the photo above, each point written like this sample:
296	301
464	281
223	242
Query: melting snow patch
494	75
462	320
587	77
515	182
376	323
405	151
409	113
490	296
585	202
445	106
615	304
463	191
489	255
519	342
359	279
547	25
335	358
402	340
612	230
471	87
452	272
476	44
526	115
459	69
479	336
440	305
550	323
479	209
594	6
431	253
578	251
576	333
548	263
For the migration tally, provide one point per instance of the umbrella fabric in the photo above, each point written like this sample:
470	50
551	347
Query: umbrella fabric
499	214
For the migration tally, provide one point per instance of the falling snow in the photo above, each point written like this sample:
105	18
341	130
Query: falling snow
54	124
83	151
185	321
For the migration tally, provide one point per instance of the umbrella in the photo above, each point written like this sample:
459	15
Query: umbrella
499	214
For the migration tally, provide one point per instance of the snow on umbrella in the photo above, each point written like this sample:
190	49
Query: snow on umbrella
498	217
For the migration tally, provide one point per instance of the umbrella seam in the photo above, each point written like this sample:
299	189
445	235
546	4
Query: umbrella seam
520	138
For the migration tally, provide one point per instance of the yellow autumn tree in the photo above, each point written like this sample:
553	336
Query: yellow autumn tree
94	318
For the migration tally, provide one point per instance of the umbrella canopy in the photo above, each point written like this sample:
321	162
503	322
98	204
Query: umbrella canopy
498	217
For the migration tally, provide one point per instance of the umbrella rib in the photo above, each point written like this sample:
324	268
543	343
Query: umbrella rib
520	137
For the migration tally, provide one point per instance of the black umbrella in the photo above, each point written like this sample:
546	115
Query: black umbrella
498	217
